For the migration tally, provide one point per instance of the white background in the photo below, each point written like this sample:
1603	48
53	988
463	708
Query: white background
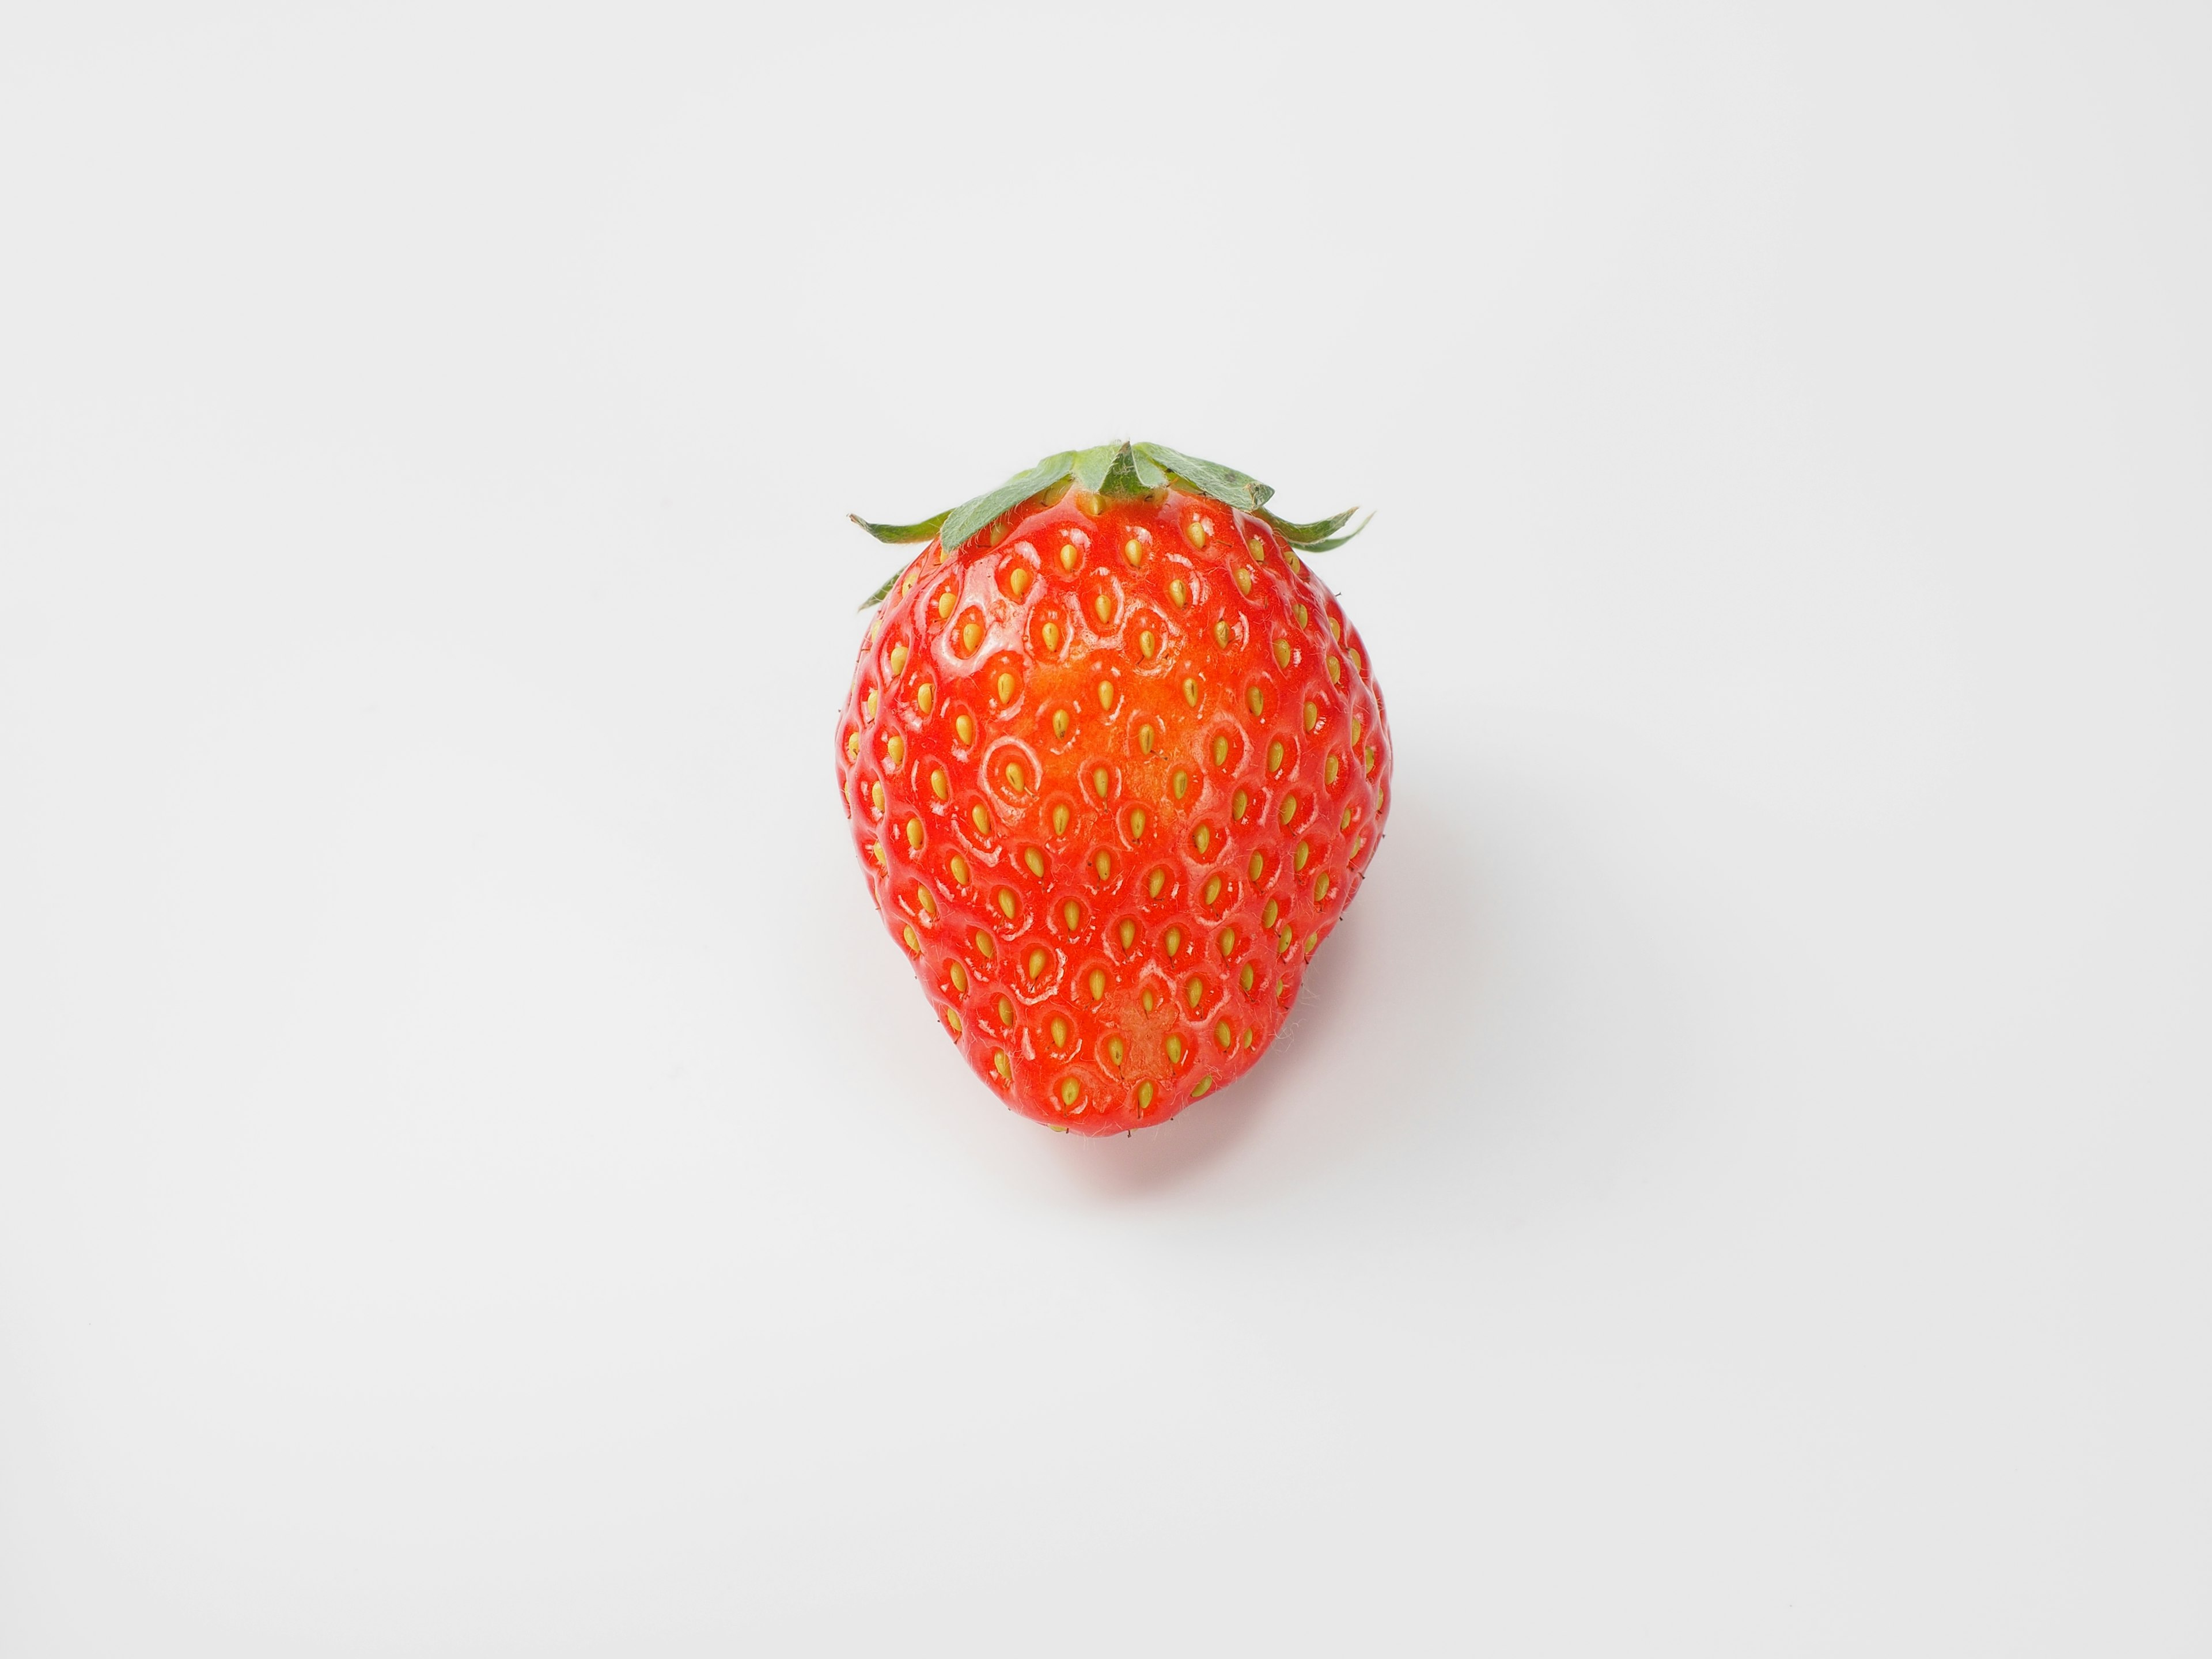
474	1178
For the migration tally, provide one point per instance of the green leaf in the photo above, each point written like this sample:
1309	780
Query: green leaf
1305	535
1223	483
877	598
1334	541
1146	469
899	532
1092	465
965	519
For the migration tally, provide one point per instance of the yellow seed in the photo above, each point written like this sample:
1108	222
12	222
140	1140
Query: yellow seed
1336	628
1148	642
979	818
1195	992
913	939
923	898
1258	864
1358	662
1335	670
1145	739
1221	634
1035	859
1090	503
898	659
1059	820
1204	839
1255	699
1299	612
1106	695
876	794
1006	1012
1313	943
1221	751
876	848
894	750
963	727
959	977
853	746
1282	653
1069	556
1144	1096
1224	1034
1059	1032
868	704
1244	581
1371	760
914	833
1195	532
1321	887
1052	636
1113	1052
1037	963
971	635
925	696
1102	606
1179	590
1175	1050
1005	688
1103	864
1006	902
1344	820
1299	854
1174	941
1097	983
1137	823
1059	722
939	785
953	1019
1267	916
1328	771
1251	1038
1237	802
1179	780
1313	715
1275	756
1244	977
1150	1001
1357	722
959	868
1101	780
1071	914
1133	550
1014	776
1290	558
1002	1065
1128	934
1228	941
1259	549
945	602
984	947
1154	881
907	586
1018	580
1213	889
1290	809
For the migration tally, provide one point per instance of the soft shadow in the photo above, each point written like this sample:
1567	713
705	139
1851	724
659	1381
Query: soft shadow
1409	938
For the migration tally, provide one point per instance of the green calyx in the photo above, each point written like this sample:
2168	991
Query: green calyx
1115	471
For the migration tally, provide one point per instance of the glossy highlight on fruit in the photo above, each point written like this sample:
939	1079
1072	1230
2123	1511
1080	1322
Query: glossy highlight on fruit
1115	762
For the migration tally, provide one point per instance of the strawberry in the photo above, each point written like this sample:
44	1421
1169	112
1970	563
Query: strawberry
1115	763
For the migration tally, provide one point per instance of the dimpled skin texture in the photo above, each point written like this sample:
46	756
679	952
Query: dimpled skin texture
1114	774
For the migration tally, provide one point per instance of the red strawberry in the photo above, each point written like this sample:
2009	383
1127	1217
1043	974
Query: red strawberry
1116	762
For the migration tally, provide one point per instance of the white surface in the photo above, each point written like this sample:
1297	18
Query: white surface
476	1180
